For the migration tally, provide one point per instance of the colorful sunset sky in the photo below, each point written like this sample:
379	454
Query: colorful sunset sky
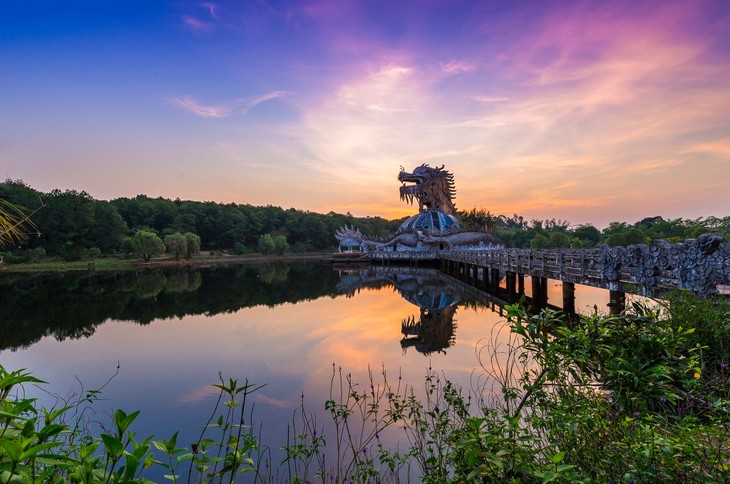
586	111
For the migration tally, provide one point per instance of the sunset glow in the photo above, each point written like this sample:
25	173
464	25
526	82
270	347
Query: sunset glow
586	111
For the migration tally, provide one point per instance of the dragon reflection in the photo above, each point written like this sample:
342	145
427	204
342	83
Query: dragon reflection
433	330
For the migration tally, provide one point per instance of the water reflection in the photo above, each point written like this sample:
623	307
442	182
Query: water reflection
284	325
73	305
435	294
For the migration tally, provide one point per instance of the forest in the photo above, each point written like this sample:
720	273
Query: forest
73	225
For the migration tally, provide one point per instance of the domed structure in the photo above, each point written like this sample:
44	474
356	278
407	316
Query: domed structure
434	227
431	221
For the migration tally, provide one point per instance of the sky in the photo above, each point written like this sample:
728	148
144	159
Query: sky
585	111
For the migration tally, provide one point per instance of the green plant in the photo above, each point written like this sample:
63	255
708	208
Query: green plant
606	398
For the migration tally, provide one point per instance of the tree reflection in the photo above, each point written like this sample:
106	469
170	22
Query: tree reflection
72	305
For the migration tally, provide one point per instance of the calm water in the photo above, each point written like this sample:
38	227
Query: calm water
172	331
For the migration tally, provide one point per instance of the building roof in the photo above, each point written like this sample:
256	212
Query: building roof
431	221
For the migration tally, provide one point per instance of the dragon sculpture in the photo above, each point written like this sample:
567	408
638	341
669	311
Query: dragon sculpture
434	190
406	239
432	187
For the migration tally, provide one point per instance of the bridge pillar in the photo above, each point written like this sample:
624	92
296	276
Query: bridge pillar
495	280
617	302
539	291
521	284
569	297
511	282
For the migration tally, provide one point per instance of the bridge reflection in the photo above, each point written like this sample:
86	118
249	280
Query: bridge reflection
437	296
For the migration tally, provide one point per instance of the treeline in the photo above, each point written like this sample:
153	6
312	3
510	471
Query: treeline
72	224
516	231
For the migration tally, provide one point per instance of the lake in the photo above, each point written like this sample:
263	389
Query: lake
171	332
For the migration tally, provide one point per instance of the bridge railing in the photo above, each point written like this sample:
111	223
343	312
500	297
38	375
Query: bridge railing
698	264
405	255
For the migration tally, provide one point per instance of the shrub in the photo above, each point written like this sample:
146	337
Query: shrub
266	244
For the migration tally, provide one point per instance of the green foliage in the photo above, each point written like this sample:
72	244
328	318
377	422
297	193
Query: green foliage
539	241
478	218
176	244
515	231
280	245
73	221
240	249
559	240
76	218
49	445
266	244
192	244
588	234
632	236
147	244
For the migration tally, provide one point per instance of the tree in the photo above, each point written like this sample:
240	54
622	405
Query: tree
266	244
147	244
478	217
539	241
176	244
109	227
559	240
630	237
184	223
280	245
587	233
192	244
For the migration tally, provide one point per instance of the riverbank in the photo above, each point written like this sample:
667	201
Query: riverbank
121	264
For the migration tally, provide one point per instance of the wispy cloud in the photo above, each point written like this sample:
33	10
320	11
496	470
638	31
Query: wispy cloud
194	23
191	105
223	110
457	67
488	99
211	8
197	395
244	105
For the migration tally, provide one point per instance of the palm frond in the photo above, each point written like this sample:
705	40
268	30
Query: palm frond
15	224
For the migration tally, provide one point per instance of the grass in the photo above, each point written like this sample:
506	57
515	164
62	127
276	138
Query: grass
118	263
103	264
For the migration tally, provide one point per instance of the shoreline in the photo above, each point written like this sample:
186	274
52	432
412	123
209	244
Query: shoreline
119	264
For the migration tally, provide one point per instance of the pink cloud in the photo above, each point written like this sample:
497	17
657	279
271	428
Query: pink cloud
195	24
225	109
250	102
191	105
211	8
457	67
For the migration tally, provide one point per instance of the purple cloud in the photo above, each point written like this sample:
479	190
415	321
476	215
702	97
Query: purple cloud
211	8
225	109
195	24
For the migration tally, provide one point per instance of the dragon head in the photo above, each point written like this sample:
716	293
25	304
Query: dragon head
348	233
432	187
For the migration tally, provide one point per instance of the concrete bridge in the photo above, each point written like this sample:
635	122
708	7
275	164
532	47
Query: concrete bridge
700	265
